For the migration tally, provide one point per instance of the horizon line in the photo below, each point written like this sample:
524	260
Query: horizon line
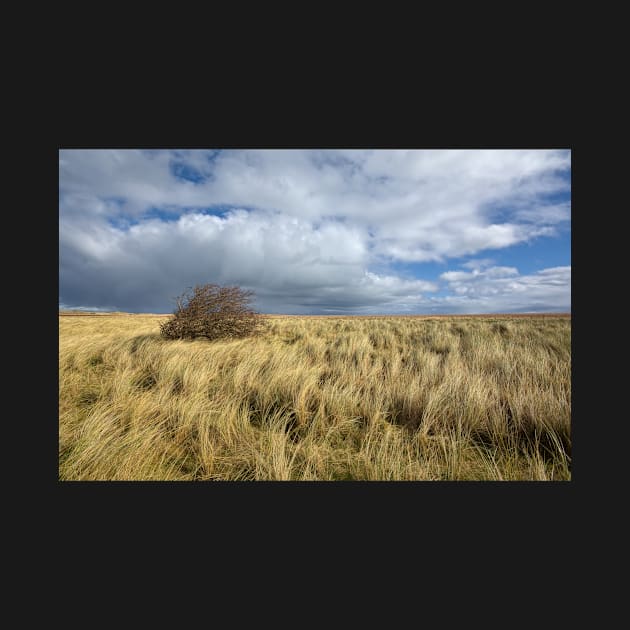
519	314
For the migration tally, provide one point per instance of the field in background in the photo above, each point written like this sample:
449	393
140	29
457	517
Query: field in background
317	398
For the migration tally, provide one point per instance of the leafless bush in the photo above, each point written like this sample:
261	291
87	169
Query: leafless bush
214	312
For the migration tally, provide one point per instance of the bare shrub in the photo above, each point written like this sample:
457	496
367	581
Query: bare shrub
214	312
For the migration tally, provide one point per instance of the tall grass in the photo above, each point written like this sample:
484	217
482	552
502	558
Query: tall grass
317	399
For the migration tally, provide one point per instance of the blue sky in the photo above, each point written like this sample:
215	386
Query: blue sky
318	231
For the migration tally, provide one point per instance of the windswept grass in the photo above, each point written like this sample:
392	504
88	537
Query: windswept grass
317	399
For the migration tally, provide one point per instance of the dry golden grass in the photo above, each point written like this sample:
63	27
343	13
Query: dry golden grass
394	398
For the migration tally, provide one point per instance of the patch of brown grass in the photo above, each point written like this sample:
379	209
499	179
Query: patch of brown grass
317	398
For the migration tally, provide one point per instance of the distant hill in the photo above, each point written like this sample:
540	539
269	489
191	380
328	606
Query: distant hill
77	313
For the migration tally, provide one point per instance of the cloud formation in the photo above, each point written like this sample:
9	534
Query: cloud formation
504	290
309	231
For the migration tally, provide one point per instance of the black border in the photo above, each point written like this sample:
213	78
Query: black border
482	517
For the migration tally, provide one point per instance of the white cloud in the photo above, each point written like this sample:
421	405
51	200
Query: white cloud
478	263
546	213
318	222
282	258
503	289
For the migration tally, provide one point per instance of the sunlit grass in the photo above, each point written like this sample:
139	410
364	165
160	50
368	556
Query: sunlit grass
317	399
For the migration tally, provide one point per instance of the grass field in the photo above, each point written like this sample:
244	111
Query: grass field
330	398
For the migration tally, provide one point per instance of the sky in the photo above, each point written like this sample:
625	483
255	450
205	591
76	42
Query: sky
318	231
